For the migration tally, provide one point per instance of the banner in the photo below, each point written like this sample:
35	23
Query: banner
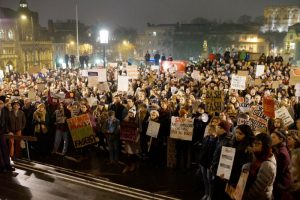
260	70
238	82
173	66
214	101
101	74
132	71
153	129
284	114
123	83
226	162
81	131
182	128
128	132
269	107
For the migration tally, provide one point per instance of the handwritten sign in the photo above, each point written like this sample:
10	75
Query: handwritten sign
257	118
260	70
214	101
226	162
238	82
182	128
81	131
269	106
123	83
284	114
132	72
153	129
128	132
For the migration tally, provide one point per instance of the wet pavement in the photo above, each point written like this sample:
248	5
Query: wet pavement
170	182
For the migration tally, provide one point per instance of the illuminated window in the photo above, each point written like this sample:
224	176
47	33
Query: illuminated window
154	33
1	34
10	35
23	5
292	45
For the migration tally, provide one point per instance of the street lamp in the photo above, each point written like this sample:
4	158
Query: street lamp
104	41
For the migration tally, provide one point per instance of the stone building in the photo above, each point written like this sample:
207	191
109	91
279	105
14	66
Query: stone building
280	18
292	42
22	43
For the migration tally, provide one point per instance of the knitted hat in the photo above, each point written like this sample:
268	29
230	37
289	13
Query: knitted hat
265	140
225	125
280	134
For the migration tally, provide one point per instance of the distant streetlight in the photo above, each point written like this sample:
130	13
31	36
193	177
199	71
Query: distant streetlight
104	41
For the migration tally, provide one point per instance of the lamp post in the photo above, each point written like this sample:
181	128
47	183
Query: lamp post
24	18
104	41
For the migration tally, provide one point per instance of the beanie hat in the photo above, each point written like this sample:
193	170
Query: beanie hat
225	125
280	134
265	140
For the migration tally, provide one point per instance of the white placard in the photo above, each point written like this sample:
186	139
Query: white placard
1	74
114	65
297	93
92	78
102	77
196	75
132	71
92	101
238	82
226	162
284	114
154	67
123	83
260	70
182	128
173	90
153	129
297	86
84	73
31	95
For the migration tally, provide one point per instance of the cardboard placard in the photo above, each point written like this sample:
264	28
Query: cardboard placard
284	114
226	162
238	82
153	129
123	83
214	101
182	128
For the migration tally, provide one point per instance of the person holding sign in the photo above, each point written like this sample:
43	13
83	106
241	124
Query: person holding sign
283	175
129	134
224	139
262	170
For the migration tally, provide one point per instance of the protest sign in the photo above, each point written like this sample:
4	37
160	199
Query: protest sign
257	118
257	82
173	66
128	132
40	87
92	101
243	73
103	87
132	72
84	73
238	82
123	83
182	128
31	95
102	76
92	79
179	74
275	84
284	114
154	67
294	76
214	101
1	74
226	162
196	75
240	187
81	131
260	70
153	129
269	107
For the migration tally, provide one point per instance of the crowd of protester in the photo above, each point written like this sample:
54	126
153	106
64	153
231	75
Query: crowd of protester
271	155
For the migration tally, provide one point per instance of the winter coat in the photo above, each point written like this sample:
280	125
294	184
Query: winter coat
207	151
262	187
16	123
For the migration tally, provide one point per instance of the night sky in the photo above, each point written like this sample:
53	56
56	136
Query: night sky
136	13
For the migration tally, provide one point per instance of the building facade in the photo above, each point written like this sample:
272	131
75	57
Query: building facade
280	18
21	43
292	42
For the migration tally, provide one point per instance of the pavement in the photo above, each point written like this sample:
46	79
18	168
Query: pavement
179	184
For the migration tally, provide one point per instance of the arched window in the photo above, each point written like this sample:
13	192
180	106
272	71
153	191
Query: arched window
10	35
1	34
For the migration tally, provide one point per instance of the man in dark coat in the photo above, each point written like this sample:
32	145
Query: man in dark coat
4	153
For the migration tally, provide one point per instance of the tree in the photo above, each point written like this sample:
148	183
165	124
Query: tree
200	20
244	19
